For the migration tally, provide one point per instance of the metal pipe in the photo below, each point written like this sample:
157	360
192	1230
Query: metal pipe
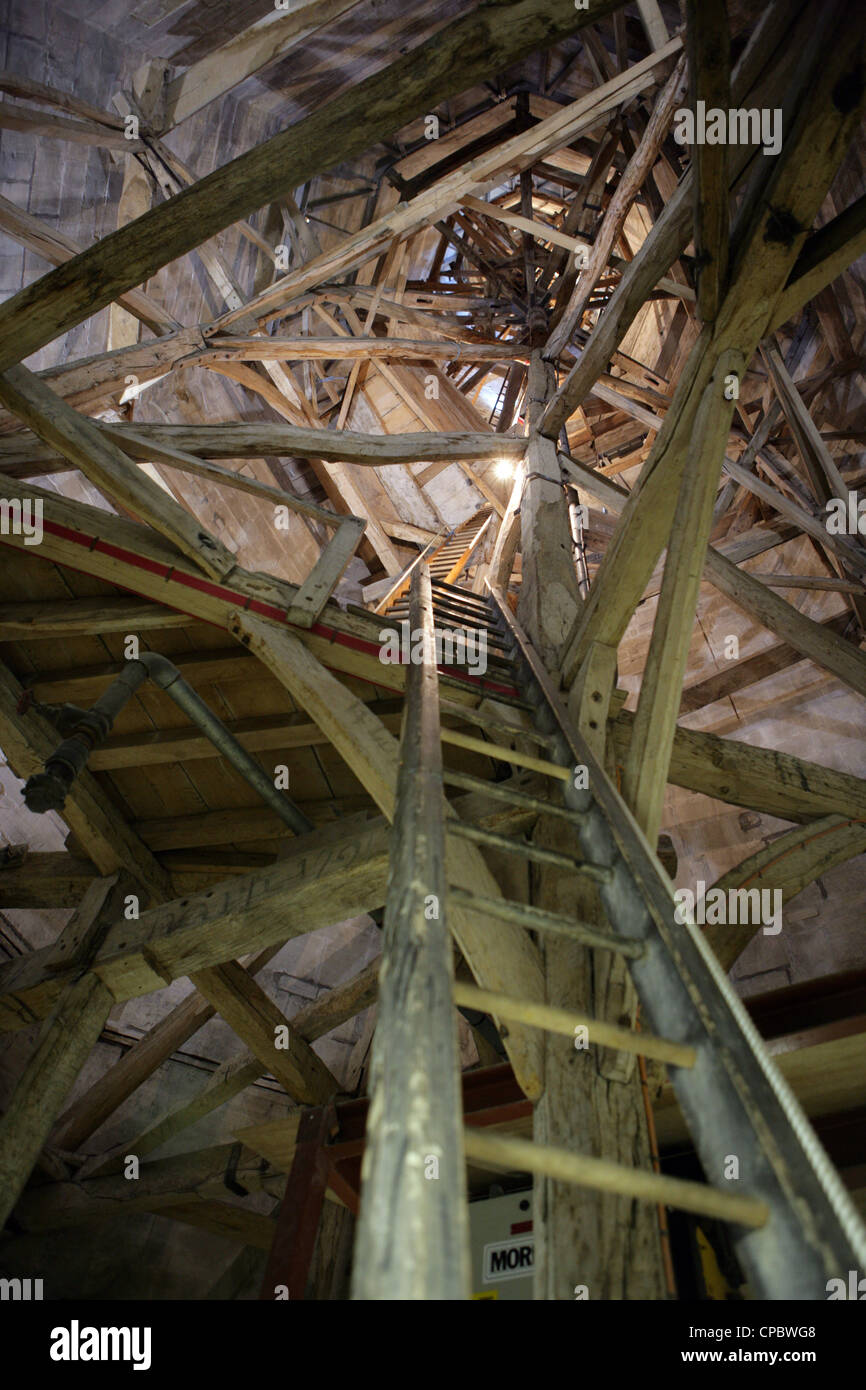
86	729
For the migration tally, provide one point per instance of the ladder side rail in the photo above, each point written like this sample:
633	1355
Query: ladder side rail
735	1100
413	1238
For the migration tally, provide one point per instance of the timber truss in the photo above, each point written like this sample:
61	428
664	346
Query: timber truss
523	230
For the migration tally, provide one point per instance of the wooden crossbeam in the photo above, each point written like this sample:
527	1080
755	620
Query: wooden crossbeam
456	57
140	1061
64	1043
320	881
87	448
842	659
260	1024
58	248
521	151
326	1013
760	779
248	52
638	168
237	439
761	267
826	254
670	233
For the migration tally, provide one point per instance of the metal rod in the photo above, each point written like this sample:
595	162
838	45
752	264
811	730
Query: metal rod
493	840
536	919
502	791
520	1155
566	1022
506	755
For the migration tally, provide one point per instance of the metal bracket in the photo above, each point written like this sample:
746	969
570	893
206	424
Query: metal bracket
230	1179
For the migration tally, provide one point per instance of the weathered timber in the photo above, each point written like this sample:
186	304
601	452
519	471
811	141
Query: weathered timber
466	51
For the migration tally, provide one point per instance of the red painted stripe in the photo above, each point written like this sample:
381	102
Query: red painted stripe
265	610
519	1227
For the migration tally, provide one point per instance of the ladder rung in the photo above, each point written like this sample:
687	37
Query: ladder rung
501	791
538	853
521	1155
480	688
565	1021
452	594
506	755
523	915
489	721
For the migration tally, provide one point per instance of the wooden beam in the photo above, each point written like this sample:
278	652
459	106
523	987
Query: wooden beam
826	254
789	864
136	195
64	1043
320	881
708	45
634	176
253	49
46	879
805	520
140	1061
86	380
762	264
233	1076
235	439
646	770
819	462
261	1025
550	598
256	734
670	233
137	559
432	204
74	129
140	446
759	779
54	246
87	448
453	60
83	617
842	659
740	675
25	89
362	349
653	22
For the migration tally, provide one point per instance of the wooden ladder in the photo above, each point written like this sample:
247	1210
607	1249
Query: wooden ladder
794	1227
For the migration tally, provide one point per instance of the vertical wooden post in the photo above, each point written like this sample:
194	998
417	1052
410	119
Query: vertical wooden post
412	1238
550	600
64	1044
298	1222
583	1238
